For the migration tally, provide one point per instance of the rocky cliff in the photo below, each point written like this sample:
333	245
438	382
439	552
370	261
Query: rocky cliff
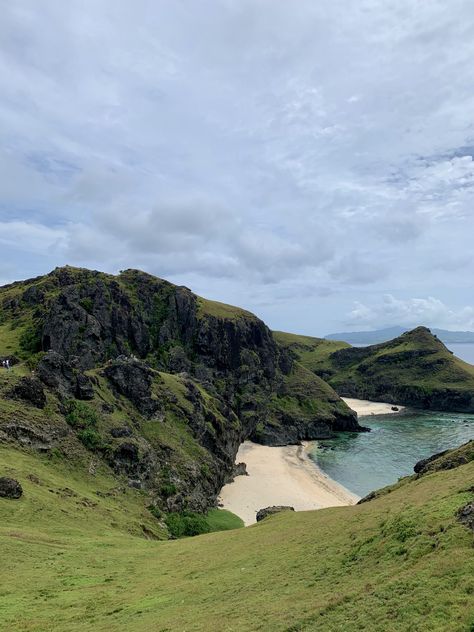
154	381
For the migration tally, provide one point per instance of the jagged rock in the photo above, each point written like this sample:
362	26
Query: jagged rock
84	388
55	372
10	488
466	515
239	469
270	511
133	378
29	389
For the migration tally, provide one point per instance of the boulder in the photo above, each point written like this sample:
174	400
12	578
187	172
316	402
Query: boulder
30	390
269	511
466	515
10	488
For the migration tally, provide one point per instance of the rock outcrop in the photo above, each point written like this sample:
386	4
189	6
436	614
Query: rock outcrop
10	488
270	511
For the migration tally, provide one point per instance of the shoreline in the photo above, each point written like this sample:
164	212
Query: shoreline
364	407
281	476
288	476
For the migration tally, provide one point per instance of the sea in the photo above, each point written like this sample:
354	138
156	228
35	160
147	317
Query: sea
370	460
366	461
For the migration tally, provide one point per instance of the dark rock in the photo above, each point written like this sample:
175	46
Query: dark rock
84	387
466	515
270	511
133	378
446	460
395	408
56	372
10	488
239	469
120	432
29	389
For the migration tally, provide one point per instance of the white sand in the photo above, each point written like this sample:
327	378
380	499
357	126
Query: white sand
281	476
364	407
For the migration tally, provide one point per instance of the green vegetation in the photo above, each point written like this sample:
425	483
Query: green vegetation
221	310
80	415
311	352
78	553
414	369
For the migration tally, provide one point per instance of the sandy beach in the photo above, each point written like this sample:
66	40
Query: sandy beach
287	475
281	476
364	407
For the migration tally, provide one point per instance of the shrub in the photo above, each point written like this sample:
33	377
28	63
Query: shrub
30	340
90	438
80	415
186	524
167	490
87	304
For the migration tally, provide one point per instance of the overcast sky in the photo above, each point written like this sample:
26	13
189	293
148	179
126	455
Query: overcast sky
310	161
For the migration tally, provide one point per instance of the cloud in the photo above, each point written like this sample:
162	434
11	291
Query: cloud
411	312
252	149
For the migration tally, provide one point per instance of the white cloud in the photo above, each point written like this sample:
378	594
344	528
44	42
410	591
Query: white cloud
411	312
245	141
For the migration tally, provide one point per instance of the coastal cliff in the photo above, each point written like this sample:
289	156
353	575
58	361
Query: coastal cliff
157	383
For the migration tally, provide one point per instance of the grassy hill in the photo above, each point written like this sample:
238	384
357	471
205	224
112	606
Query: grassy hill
415	369
79	554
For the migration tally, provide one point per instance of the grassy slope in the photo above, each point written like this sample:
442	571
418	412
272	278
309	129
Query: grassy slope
309	351
439	368
399	563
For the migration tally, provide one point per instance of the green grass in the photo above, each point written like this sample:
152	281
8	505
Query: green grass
311	352
223	520
399	563
222	310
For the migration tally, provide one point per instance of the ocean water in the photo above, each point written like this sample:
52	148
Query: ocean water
370	460
465	351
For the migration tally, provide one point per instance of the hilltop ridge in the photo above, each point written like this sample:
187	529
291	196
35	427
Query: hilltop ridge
415	369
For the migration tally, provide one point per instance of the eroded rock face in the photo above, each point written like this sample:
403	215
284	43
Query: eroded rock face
10	488
58	374
133	379
270	511
30	390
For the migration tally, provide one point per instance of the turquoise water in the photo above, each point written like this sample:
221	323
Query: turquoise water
364	462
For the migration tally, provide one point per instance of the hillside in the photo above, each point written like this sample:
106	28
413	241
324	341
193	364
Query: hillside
415	369
388	333
74	557
150	381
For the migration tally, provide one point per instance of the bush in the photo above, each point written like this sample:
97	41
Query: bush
30	340
87	304
80	415
167	490
90	438
186	524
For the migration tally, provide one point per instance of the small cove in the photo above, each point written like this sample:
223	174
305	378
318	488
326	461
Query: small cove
367	461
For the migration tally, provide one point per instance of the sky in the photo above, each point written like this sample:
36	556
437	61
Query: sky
309	161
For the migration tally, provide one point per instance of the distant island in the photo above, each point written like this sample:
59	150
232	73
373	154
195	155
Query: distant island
388	333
